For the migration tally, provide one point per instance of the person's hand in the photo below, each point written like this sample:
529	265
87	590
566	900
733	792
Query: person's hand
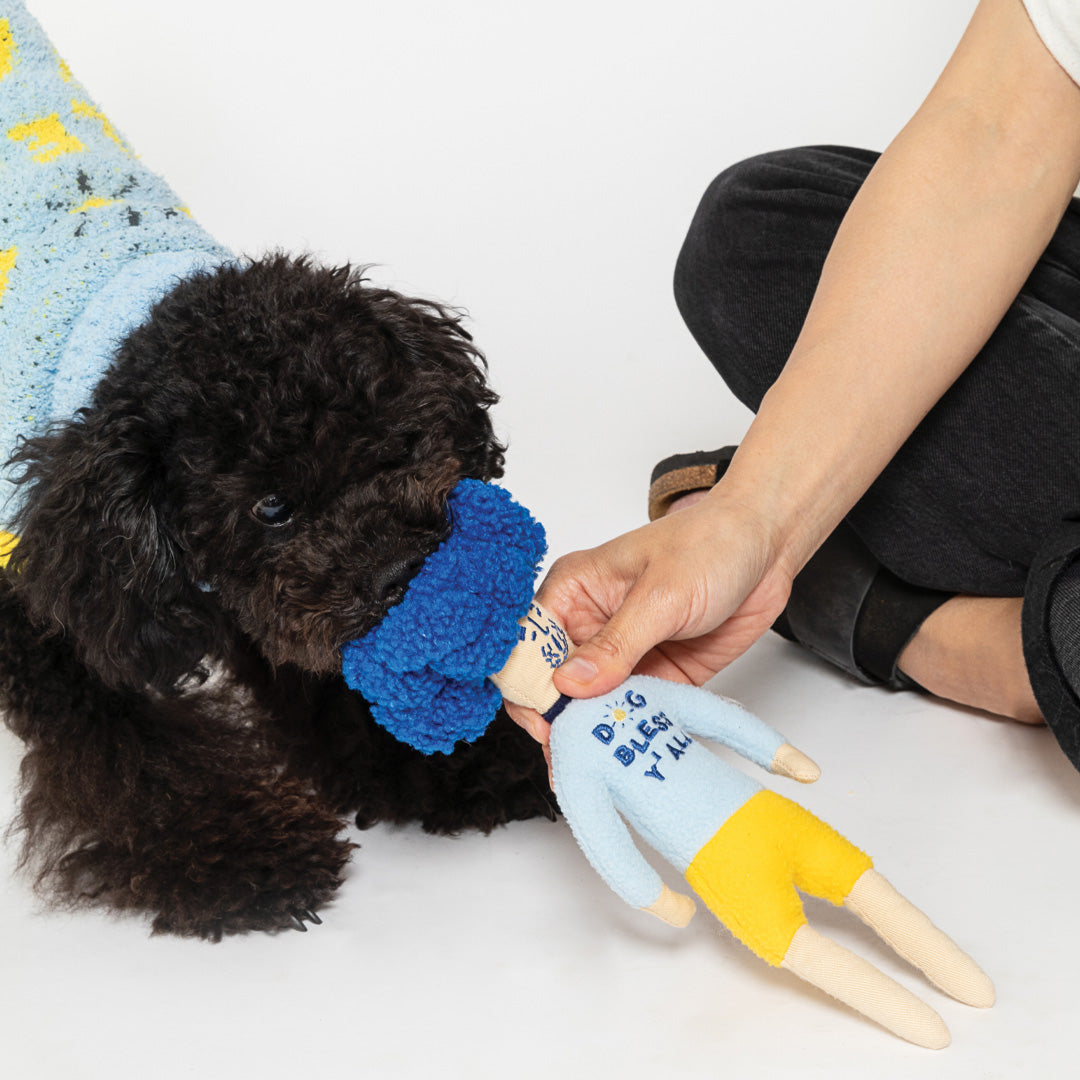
679	598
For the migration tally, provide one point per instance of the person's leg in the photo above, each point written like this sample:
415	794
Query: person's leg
970	651
992	470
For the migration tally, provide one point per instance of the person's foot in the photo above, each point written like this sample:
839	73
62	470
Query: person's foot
969	651
683	501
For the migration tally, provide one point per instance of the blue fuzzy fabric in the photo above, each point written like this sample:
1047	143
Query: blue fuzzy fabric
424	669
90	238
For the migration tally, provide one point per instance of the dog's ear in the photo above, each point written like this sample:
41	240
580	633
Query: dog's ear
97	559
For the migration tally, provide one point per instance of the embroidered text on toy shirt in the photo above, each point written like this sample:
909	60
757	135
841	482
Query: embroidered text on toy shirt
648	728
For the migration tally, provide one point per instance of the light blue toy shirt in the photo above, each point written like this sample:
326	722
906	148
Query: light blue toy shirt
627	755
90	239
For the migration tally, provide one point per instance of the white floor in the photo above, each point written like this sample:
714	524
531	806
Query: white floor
538	165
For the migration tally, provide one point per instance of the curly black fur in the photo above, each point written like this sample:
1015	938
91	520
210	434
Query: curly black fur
146	558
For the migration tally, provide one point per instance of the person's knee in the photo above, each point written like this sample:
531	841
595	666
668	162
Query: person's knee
749	265
715	237
723	270
713	248
754	204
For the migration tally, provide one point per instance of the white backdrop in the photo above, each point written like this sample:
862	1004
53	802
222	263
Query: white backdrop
538	165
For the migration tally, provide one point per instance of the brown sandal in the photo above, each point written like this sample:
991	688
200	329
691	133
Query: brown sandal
681	474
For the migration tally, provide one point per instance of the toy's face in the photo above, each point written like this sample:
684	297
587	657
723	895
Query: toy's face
542	636
542	646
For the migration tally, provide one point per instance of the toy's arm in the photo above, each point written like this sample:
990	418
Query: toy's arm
714	717
606	841
526	680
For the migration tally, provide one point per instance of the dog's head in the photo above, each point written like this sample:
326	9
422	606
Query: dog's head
271	451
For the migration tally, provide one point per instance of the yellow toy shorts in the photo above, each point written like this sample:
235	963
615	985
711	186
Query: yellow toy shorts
748	872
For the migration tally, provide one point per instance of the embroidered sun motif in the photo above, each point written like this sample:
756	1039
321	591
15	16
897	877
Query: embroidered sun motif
621	710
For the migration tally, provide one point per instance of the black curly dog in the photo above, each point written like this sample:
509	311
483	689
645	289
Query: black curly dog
261	471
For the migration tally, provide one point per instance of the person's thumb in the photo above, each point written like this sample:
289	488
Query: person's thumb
607	659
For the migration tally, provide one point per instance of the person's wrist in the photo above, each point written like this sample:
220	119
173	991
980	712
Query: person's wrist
777	542
789	506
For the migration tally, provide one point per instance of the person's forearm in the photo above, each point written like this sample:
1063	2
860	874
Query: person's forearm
931	253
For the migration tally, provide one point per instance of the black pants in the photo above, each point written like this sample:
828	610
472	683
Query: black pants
984	497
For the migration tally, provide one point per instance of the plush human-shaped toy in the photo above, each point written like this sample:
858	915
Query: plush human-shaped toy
633	756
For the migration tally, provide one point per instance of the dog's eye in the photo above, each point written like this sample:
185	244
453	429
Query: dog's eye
272	510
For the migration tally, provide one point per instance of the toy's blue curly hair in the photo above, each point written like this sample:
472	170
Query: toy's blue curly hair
424	668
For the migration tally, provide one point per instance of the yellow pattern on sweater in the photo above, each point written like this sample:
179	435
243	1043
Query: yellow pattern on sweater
92	203
7	262
8	57
87	111
47	136
7	546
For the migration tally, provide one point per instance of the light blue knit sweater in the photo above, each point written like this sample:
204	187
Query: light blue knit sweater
90	239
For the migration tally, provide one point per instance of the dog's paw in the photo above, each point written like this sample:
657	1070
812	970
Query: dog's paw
267	859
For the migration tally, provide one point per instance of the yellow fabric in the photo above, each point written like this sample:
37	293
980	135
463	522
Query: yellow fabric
92	203
48	137
7	48
85	109
748	872
7	262
7	546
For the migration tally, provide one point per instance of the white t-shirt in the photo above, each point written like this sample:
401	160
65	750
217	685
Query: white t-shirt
1057	22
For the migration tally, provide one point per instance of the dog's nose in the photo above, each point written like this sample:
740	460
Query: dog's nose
393	579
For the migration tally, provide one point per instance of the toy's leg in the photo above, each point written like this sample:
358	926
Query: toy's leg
857	983
907	930
748	873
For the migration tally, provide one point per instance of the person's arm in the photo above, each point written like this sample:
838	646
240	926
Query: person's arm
933	249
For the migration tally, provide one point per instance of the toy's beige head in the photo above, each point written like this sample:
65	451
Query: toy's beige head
526	678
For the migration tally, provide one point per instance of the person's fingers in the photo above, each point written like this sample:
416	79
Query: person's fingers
679	598
609	656
530	720
656	662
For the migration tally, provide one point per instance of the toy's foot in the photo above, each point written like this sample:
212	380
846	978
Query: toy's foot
911	934
856	982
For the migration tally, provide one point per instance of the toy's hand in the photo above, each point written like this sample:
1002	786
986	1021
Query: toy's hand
795	764
674	908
